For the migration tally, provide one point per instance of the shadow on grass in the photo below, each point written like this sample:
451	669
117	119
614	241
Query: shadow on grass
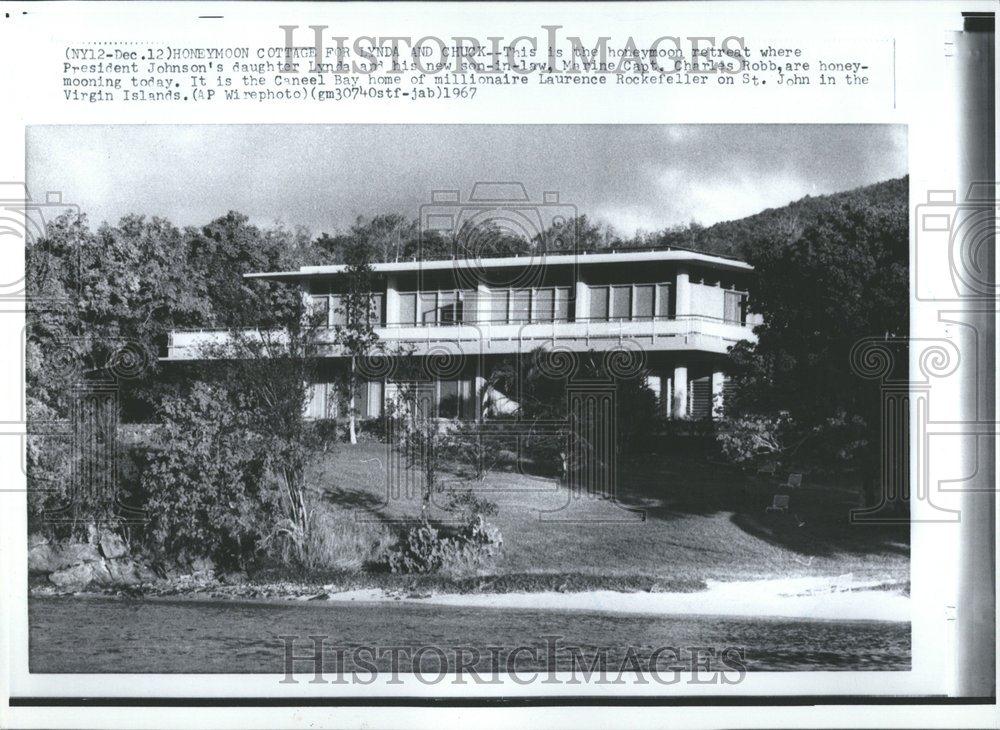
357	499
817	523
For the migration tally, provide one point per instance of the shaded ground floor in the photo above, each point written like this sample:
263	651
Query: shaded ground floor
685	385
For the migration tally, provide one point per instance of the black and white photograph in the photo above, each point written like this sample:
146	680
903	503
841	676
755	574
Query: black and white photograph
426	399
545	365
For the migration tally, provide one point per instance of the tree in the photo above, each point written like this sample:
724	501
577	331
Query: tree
332	246
267	373
99	307
581	233
387	237
206	479
488	239
821	288
357	336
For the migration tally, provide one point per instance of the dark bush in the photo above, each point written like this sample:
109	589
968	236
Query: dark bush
206	482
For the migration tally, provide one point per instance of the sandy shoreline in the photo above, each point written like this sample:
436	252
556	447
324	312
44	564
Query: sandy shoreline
816	598
805	598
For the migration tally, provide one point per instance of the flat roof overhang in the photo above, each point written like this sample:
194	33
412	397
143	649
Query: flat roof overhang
581	259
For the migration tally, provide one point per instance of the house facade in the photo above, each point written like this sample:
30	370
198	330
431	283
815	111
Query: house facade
678	311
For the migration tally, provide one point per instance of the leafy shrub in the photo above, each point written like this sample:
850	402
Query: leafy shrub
746	439
469	504
71	489
475	551
49	468
424	550
322	433
206	481
421	551
835	446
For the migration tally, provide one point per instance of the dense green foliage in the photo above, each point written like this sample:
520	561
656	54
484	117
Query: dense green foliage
828	275
206	480
100	309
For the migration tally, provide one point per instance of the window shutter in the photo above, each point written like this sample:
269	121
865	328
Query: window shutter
700	398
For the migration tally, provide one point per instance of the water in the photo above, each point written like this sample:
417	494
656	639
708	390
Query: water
76	634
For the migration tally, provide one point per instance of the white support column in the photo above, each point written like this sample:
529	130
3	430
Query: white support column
654	382
682	291
660	387
391	300
680	394
478	389
581	307
718	381
315	405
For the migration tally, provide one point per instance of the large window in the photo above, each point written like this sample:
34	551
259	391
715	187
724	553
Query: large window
599	303
621	303
449	306
499	303
337	315
428	308
664	301
542	304
329	400
518	306
562	305
630	302
319	306
446	399
642	303
408	308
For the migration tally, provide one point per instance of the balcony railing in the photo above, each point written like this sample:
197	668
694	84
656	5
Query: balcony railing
692	332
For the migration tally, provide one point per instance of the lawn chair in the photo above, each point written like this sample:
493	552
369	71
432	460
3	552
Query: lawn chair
794	481
779	504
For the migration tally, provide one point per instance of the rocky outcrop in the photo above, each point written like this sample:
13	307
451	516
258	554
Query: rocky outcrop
46	557
75	566
112	546
82	575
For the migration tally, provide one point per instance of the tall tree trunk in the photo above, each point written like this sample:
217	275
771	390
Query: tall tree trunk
351	406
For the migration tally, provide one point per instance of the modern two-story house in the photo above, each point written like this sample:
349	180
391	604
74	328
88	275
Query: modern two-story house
682	310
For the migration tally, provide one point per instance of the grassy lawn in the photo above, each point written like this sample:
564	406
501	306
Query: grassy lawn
676	520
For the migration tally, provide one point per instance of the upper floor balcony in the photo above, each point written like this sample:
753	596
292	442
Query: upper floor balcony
656	301
687	333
